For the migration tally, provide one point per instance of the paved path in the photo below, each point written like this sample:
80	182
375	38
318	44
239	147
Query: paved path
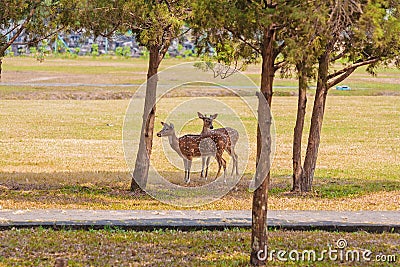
371	221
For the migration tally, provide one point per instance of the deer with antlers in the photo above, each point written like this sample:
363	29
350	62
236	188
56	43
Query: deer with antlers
232	136
190	146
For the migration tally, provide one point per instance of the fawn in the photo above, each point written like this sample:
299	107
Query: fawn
190	146
231	135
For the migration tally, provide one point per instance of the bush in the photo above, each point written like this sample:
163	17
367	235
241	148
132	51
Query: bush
126	52
95	50
119	51
32	50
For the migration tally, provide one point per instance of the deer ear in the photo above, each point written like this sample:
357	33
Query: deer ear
214	116
200	115
171	125
162	123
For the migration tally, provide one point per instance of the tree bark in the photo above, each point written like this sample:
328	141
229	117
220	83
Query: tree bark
260	197
298	129
140	173
1	64
316	123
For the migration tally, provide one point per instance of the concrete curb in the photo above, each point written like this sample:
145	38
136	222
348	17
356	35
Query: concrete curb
348	221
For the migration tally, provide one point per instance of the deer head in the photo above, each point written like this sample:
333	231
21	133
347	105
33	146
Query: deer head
167	130
207	121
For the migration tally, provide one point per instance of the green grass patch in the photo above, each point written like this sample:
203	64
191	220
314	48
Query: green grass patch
328	188
111	247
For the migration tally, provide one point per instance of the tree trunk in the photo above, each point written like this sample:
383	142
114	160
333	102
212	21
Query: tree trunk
314	137
1	63
260	196
298	129
142	163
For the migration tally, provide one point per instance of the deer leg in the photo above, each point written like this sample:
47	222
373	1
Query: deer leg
235	163
218	157
224	166
207	164
231	153
203	163
189	165
185	163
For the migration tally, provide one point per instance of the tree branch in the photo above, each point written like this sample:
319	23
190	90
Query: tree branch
19	31
355	65
279	49
106	35
344	73
168	5
166	40
183	33
269	4
255	48
338	56
12	29
279	65
41	38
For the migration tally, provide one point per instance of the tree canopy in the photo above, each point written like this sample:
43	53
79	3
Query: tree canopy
37	19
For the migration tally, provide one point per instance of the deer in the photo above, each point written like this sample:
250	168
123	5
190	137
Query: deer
232	136
193	145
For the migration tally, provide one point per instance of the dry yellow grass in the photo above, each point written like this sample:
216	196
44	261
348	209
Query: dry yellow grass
69	154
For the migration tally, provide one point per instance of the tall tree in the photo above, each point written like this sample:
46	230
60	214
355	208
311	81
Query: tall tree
34	20
304	71
155	24
241	31
359	33
300	55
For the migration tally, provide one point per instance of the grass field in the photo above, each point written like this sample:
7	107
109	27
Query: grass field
61	147
90	73
69	154
41	247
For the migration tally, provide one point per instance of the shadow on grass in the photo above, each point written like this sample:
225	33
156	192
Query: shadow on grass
335	188
100	190
111	190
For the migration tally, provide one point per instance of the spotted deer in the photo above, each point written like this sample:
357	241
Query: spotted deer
232	136
191	146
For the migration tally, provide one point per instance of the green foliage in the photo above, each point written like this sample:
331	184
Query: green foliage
369	30
123	51
180	48
126	51
187	53
42	52
94	50
32	50
153	24
232	31
37	19
70	55
118	51
145	53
